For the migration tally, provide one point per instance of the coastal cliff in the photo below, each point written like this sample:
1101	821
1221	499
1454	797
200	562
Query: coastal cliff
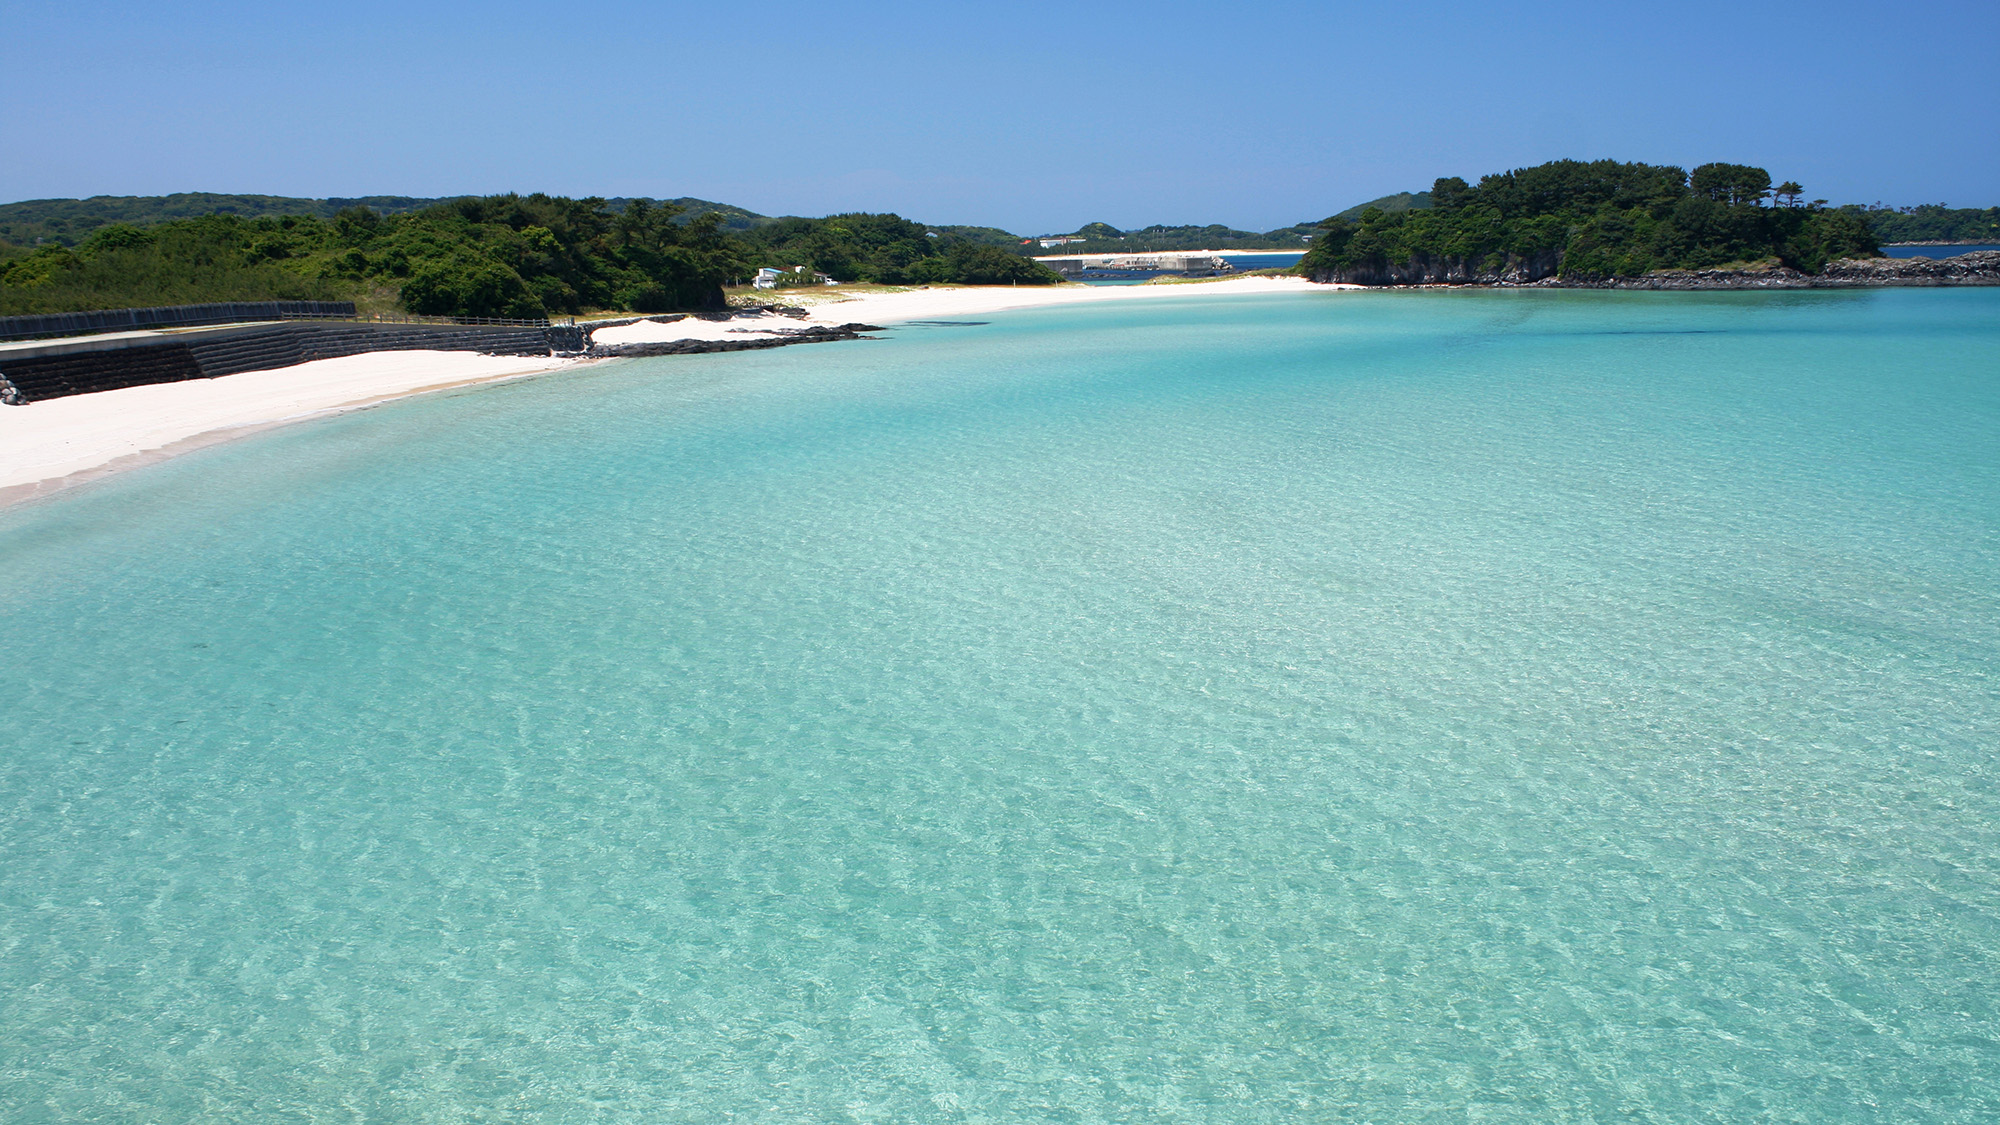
1437	269
1982	268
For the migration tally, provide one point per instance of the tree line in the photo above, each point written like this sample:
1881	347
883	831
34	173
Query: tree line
1931	222
540	255
503	256
1596	219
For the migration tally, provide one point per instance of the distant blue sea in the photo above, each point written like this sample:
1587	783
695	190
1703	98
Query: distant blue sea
1396	707
1241	262
1265	261
1937	251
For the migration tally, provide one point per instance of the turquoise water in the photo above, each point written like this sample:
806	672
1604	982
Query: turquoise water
1501	707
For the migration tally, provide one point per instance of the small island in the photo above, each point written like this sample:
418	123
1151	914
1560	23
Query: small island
1607	224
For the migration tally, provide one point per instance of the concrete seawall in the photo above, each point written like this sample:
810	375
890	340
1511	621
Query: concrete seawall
39	371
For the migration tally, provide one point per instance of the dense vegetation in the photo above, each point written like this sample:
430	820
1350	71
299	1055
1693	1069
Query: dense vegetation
498	256
1103	238
1931	222
727	217
891	250
187	261
34	222
1597	219
1401	201
70	221
504	256
538	255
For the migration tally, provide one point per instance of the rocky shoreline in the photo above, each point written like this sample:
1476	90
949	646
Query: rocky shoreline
764	336
1982	268
1979	268
817	334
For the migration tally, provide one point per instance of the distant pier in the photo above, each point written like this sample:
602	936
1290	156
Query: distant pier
1186	265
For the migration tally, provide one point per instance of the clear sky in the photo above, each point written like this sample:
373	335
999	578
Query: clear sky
1032	116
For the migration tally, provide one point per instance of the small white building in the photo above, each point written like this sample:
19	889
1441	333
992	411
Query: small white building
769	276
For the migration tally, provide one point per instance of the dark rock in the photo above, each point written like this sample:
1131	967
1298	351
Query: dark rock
1426	269
816	334
1979	268
1774	278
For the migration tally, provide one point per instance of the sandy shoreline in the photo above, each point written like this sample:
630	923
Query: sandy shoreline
829	307
50	446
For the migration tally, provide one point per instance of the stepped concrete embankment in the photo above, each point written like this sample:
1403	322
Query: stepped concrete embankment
42	370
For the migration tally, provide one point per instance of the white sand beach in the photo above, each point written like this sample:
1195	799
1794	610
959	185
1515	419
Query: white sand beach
831	306
50	445
47	446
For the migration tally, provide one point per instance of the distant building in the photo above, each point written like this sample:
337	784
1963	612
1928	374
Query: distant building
769	276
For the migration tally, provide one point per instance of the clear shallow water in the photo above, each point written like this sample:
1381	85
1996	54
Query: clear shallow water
1373	707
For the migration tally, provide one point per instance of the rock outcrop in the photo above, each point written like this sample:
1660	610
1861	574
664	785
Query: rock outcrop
1978	268
815	334
1981	268
1774	277
1427	269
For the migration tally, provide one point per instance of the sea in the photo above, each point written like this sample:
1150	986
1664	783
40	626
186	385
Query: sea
1240	261
1950	251
1464	706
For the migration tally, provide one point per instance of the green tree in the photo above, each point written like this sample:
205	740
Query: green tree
1585	219
1731	183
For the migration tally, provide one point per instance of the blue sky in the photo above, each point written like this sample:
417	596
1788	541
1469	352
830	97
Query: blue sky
1031	116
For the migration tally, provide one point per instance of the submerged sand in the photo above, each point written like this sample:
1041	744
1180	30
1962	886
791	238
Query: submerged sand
51	445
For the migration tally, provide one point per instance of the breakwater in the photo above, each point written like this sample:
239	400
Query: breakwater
56	369
73	367
1190	265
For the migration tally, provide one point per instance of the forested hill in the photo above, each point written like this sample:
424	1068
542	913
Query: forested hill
1401	201
728	216
69	221
892	250
504	255
1932	222
1588	220
1928	222
1103	238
